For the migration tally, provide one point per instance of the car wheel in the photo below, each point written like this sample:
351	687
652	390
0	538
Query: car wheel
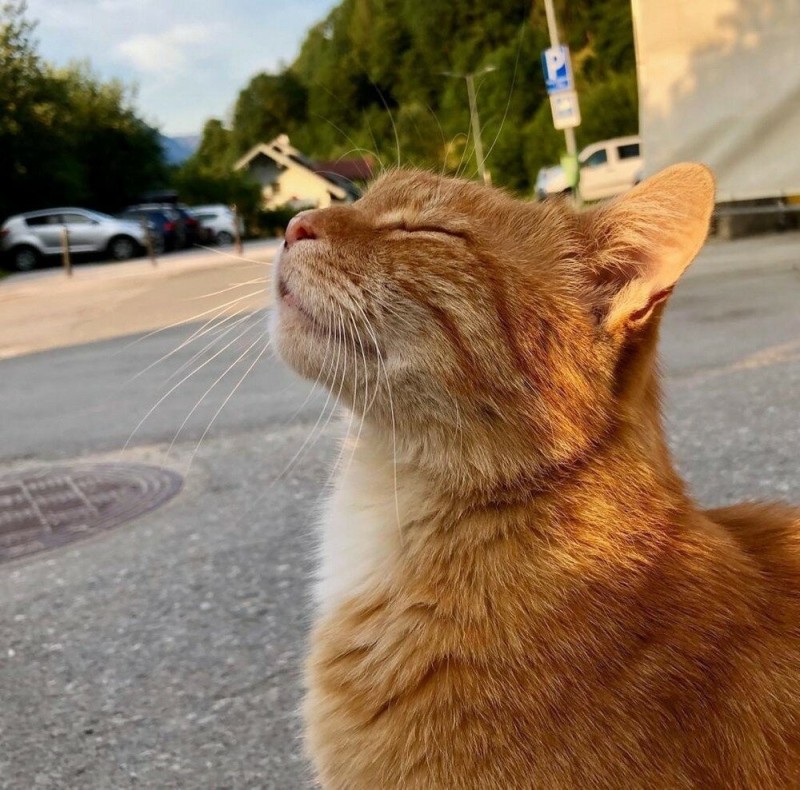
121	248
224	238
25	259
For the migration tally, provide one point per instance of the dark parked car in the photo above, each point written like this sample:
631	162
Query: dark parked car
188	230
162	224
201	233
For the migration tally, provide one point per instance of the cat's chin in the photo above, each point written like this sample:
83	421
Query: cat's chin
297	317
301	340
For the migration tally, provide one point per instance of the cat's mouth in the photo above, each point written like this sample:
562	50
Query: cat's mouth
333	328
293	303
290	300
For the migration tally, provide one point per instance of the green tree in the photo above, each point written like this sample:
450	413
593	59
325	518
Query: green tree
65	135
23	113
270	105
118	156
216	152
208	175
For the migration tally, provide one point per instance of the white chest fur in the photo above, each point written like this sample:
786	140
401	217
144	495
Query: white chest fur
361	536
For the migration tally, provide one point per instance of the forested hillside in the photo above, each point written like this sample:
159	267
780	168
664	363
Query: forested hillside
370	78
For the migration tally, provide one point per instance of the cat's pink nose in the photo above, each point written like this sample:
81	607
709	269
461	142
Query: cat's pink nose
300	227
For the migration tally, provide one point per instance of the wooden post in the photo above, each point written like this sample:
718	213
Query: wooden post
237	236
66	260
148	242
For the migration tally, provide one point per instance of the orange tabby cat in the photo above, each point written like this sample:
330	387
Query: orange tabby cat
516	590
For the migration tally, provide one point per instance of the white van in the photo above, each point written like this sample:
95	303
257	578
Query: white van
608	168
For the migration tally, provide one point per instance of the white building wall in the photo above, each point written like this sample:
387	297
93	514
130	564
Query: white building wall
719	83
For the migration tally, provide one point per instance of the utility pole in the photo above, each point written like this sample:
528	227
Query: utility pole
473	115
569	133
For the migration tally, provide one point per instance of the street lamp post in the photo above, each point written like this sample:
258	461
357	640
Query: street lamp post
473	115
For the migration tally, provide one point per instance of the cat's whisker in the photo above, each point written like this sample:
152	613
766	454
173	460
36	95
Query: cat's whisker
430	109
520	37
341	383
464	151
346	437
349	139
217	334
382	366
357	334
394	125
335	371
341	103
229	288
333	410
216	309
366	70
233	257
230	394
383	303
209	327
481	128
367	402
175	386
207	392
314	386
362	150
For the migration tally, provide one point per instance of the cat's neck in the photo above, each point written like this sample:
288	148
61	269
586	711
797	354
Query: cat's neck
400	503
628	472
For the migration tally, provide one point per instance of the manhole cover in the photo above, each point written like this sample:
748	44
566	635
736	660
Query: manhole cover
48	507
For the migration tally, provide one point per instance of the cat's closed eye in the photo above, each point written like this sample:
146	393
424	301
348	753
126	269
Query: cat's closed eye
403	227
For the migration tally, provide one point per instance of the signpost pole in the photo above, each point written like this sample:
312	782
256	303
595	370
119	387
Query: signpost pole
569	133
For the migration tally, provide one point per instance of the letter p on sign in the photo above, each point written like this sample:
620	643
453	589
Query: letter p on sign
556	61
557	70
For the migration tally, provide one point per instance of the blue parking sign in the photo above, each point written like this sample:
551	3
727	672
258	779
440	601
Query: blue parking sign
557	70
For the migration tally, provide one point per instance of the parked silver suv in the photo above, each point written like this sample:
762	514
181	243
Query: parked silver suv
27	238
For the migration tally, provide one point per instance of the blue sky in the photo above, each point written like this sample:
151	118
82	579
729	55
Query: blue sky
188	58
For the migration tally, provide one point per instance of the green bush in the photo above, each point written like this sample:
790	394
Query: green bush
273	222
609	109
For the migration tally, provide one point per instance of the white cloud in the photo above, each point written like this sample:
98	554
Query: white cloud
171	51
189	58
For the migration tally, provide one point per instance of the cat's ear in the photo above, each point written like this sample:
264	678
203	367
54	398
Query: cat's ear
640	243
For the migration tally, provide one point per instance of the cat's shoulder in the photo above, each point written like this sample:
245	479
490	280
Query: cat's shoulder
769	532
760	523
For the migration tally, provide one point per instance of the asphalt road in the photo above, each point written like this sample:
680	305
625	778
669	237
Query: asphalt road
168	653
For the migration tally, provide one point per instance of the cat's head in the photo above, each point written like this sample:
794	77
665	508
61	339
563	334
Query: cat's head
491	338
